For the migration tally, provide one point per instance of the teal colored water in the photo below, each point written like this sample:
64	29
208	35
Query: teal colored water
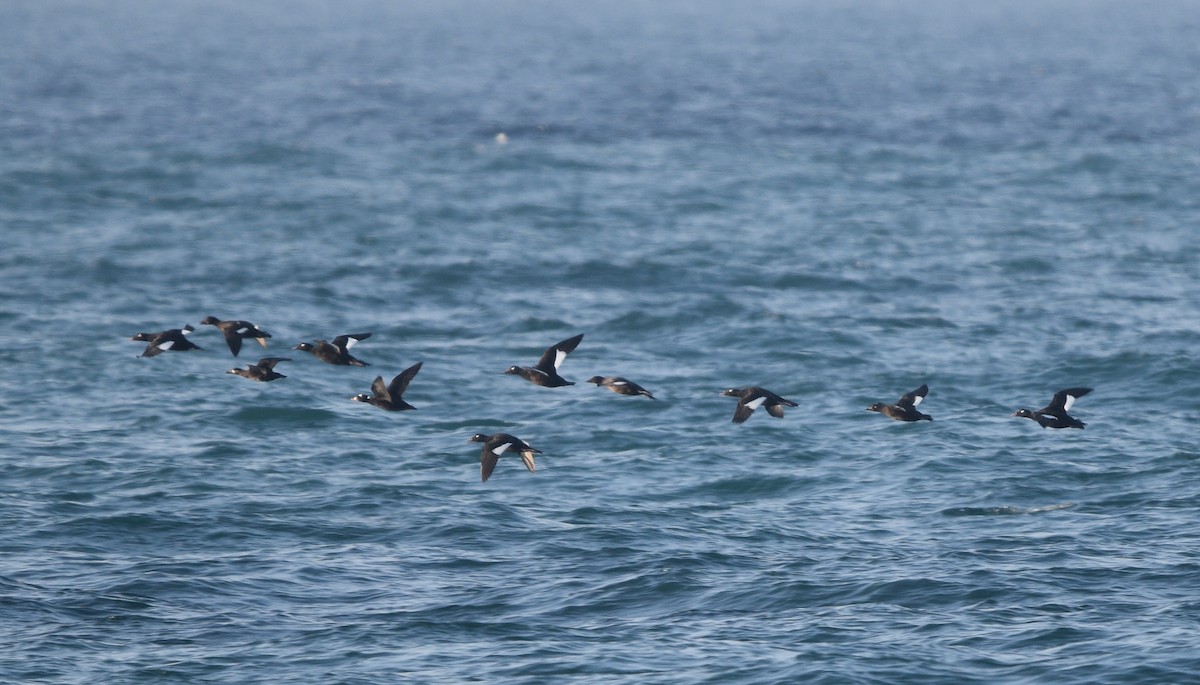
838	203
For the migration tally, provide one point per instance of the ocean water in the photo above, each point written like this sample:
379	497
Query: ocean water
837	201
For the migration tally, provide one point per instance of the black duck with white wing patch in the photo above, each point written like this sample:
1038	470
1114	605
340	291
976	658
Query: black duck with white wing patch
496	445
905	409
621	386
337	352
389	396
545	372
170	340
752	398
264	370
1054	415
235	331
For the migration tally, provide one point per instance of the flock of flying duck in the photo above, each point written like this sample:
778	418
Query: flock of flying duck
545	373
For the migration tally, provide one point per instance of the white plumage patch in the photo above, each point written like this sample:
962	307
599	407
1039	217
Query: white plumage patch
501	449
756	402
917	399
351	342
166	345
619	383
559	356
1069	402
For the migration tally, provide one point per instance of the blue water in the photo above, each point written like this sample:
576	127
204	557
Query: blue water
837	201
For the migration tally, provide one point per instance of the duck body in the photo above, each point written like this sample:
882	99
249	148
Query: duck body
619	385
497	444
1054	415
388	397
337	352
172	340
235	331
263	370
752	398
905	409
545	372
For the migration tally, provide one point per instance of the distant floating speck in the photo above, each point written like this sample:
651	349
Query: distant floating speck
502	138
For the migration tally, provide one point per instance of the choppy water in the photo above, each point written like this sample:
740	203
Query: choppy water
837	202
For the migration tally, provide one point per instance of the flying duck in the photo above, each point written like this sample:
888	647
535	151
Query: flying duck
621	386
752	398
388	396
337	352
264	370
234	331
546	371
173	339
495	445
1054	415
905	408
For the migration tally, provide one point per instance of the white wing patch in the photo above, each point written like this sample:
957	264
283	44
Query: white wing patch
501	449
756	402
559	356
1069	402
917	400
166	345
351	342
619	383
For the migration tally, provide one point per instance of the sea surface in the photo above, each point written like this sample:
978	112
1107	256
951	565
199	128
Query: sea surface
838	201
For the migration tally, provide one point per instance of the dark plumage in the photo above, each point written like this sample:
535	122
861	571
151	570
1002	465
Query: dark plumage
546	371
388	396
264	370
905	409
337	352
495	445
754	397
172	339
1054	415
621	386
235	331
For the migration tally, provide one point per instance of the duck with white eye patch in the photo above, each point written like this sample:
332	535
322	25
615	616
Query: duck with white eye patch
496	445
264	370
236	330
752	398
389	396
172	340
1054	415
545	372
619	385
337	352
905	409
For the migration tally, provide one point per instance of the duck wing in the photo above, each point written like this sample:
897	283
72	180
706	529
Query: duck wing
232	339
400	383
910	400
554	355
492	450
1063	400
380	389
746	407
345	342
